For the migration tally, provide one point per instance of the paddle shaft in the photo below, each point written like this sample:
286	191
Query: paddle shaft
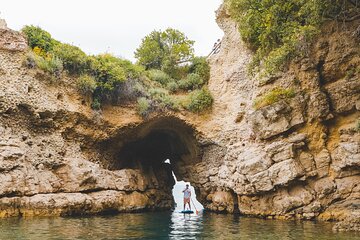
194	206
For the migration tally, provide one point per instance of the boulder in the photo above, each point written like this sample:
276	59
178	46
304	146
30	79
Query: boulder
277	118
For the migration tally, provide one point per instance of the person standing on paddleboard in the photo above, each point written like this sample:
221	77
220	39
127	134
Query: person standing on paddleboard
187	196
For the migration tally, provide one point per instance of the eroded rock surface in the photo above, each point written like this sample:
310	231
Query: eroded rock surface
11	40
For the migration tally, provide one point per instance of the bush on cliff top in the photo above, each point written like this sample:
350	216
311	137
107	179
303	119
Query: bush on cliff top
75	61
200	100
46	62
87	84
103	76
38	37
277	30
106	70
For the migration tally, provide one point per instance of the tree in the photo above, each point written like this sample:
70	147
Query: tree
164	50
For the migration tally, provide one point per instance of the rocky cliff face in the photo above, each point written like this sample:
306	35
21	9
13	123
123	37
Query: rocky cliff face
296	158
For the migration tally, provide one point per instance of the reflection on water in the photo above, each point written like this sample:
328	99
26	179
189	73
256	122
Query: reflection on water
166	225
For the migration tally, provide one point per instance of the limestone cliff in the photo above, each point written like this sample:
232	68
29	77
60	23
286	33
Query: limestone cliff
296	158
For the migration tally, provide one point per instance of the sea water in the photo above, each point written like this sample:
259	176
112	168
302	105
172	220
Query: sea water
167	225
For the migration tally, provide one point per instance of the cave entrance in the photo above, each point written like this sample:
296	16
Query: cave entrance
178	195
146	148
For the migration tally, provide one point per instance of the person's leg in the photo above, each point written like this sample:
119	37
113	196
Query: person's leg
189	205
184	204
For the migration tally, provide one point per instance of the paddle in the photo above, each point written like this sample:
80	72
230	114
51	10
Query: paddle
197	212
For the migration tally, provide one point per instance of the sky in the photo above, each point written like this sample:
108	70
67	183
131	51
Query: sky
116	26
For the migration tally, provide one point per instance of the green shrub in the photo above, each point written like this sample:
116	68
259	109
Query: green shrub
103	76
200	100
96	105
159	76
278	30
37	37
143	106
132	71
192	81
162	98
274	96
157	92
108	71
73	58
50	64
184	84
55	66
200	66
87	84
277	58
195	80
172	86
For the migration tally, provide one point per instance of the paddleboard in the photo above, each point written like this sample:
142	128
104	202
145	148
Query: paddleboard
187	211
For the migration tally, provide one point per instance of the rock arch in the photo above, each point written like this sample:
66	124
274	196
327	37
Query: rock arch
146	147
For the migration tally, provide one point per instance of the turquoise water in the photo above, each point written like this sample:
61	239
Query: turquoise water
166	225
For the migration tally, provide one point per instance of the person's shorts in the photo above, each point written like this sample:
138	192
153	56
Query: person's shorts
186	200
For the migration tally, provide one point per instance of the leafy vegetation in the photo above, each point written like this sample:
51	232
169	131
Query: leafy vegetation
48	63
169	59
143	107
200	66
87	84
108	71
172	86
96	105
191	82
166	68
100	75
164	50
280	30
200	100
73	58
38	37
159	76
274	96
163	99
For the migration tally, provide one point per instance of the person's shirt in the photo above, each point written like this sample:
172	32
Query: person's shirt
187	193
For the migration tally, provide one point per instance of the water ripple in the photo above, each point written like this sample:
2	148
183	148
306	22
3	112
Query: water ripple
166	225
